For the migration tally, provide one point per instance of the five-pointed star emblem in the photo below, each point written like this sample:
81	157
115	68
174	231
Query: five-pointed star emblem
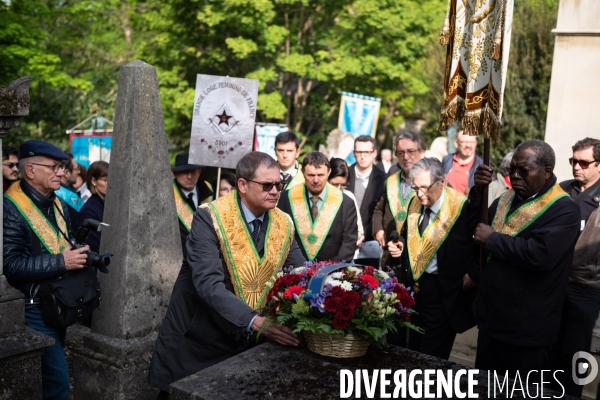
224	118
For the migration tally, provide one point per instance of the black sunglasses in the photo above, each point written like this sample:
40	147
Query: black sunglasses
267	186
11	165
582	163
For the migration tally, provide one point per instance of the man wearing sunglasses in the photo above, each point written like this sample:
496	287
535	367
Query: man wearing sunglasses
10	166
36	247
529	243
324	217
582	301
236	244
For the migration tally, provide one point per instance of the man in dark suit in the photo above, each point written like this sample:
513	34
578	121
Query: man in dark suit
439	260
190	192
582	301
211	315
324	217
534	227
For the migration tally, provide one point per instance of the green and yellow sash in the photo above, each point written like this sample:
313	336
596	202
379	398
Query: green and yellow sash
184	211
54	241
525	215
422	248
250	273
313	233
297	180
398	207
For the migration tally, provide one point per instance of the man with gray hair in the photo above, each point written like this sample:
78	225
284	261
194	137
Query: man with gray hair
236	244
529	245
438	259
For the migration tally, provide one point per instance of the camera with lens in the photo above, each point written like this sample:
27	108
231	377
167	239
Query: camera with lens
99	261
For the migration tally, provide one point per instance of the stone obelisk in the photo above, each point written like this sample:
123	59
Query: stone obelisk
144	238
20	347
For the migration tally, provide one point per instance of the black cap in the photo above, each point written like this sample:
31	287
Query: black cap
181	163
40	148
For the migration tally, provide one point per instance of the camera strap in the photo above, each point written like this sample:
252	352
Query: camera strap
66	224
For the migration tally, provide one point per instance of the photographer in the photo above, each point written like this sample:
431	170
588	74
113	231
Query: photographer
35	248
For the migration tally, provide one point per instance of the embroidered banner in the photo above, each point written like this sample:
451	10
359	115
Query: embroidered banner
358	116
223	120
477	33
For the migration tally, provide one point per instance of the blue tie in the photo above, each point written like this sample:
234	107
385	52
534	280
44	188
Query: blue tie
255	230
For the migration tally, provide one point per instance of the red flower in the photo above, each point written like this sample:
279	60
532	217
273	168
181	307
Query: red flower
368	281
368	270
346	313
312	271
239	143
339	323
403	295
289	293
231	149
332	304
210	146
283	282
201	140
220	152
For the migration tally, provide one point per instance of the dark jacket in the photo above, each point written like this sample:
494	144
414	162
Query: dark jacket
585	270
522	286
93	208
447	162
340	243
205	323
393	169
373	193
203	192
456	256
73	213
22	268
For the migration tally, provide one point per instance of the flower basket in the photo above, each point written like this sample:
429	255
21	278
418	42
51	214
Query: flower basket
336	345
339	308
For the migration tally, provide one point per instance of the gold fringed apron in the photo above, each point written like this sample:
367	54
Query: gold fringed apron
184	211
398	206
249	272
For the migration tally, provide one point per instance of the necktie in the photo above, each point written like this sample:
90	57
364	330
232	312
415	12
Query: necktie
314	210
425	220
191	200
255	230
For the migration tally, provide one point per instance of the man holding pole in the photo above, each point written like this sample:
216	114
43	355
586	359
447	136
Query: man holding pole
529	250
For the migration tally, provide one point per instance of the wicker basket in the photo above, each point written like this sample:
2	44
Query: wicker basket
338	346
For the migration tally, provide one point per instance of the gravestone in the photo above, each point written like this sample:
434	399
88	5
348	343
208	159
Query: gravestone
20	347
144	237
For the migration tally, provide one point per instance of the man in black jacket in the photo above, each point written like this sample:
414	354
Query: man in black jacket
190	192
529	246
324	217
212	313
439	260
582	301
32	210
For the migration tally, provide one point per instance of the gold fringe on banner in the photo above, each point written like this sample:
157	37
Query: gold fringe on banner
446	29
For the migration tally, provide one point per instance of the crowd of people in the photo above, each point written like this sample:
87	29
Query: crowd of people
535	301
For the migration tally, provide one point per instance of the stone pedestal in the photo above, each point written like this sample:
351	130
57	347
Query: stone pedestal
573	103
20	347
144	237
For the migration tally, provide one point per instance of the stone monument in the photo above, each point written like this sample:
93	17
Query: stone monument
144	237
20	347
573	103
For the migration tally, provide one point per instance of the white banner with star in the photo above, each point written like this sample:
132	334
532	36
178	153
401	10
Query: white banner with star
223	120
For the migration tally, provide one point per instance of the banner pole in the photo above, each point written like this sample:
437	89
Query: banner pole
218	183
484	199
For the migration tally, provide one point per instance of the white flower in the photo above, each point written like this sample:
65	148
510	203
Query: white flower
347	286
332	281
382	274
354	269
299	269
337	275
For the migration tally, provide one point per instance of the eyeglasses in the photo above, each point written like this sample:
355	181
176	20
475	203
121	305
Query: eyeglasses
53	167
267	186
582	163
11	165
363	153
522	171
424	189
401	153
340	186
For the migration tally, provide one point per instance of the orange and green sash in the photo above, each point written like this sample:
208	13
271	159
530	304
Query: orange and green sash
421	249
184	211
525	215
297	180
249	272
398	206
54	241
313	233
